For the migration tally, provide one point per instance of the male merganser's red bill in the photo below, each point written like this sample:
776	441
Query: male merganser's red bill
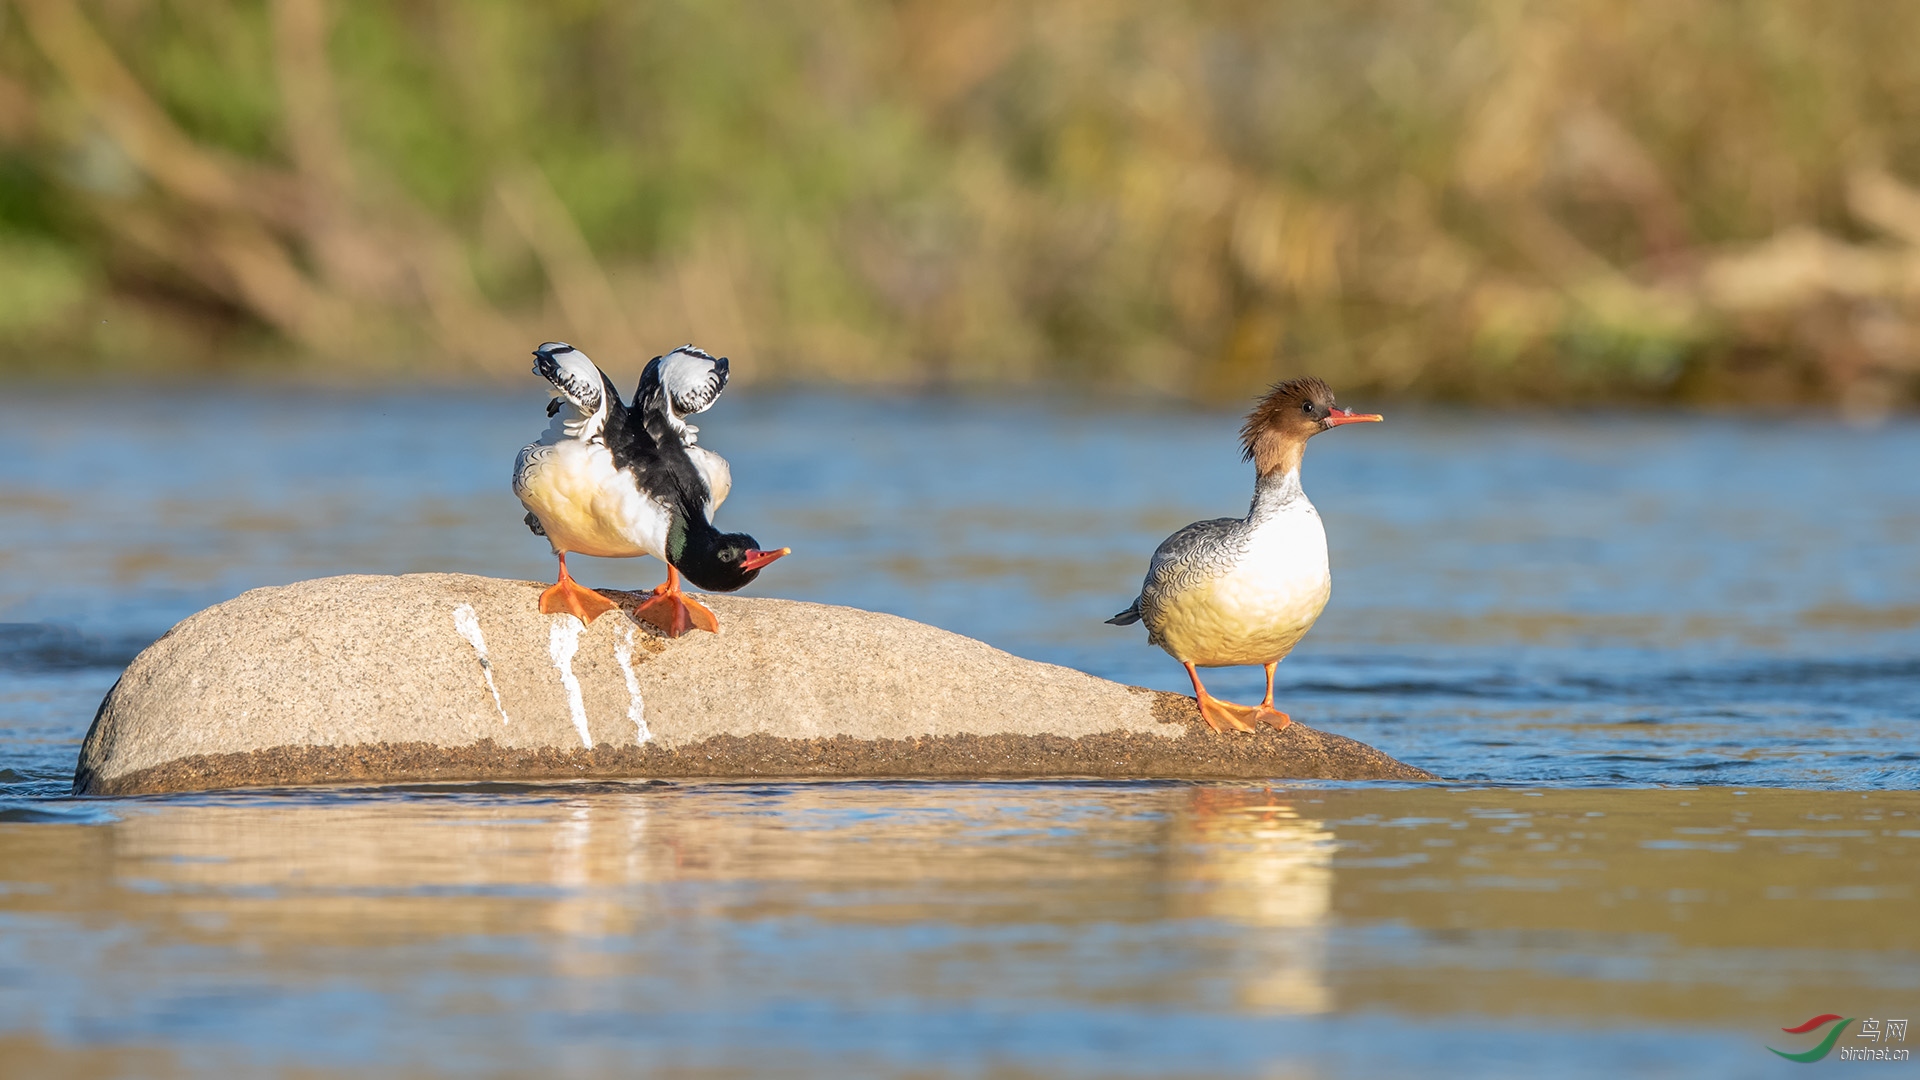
617	482
1235	591
754	560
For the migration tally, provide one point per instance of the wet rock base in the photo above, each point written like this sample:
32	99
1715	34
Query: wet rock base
445	677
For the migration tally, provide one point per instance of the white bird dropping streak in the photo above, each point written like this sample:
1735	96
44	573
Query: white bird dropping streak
563	640
468	624
636	709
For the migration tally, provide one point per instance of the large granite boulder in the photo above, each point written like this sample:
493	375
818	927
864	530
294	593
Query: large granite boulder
453	677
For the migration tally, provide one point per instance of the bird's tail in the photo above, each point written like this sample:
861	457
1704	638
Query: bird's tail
1127	617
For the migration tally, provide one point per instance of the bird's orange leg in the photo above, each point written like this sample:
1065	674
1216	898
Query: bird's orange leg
1266	713
674	612
1219	715
569	597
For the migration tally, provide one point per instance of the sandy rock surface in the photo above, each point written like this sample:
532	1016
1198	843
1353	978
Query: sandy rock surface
452	677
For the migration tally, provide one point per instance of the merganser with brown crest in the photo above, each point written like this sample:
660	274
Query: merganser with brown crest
1235	591
617	482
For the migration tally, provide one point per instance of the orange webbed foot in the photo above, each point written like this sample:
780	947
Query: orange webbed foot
1267	714
569	597
1225	715
674	613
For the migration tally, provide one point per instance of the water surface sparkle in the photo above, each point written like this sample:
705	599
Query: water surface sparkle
1671	663
1088	928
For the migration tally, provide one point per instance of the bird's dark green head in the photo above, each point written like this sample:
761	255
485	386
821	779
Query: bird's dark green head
716	561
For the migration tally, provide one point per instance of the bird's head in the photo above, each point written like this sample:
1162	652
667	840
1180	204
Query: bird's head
723	562
1276	432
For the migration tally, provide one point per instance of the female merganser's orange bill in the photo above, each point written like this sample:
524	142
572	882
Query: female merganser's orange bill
618	482
1235	591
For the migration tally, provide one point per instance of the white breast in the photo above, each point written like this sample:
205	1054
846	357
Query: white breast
1258	605
587	505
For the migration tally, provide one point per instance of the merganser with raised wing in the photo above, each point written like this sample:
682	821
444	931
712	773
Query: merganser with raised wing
617	482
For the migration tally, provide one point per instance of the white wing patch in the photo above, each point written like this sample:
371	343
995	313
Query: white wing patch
577	381
691	379
714	470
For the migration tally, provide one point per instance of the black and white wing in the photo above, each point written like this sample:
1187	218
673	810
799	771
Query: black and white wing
582	387
681	383
693	379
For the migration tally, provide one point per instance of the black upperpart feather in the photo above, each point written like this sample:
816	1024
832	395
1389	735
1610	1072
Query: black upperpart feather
644	440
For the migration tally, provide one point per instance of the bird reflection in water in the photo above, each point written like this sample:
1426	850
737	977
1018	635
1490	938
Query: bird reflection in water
1254	861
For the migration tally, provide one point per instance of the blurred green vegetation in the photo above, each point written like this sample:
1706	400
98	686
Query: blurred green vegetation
1499	199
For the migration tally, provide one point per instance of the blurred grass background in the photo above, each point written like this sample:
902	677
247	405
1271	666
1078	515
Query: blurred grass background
1484	199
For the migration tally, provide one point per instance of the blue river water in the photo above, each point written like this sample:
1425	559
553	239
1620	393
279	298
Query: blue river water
1668	663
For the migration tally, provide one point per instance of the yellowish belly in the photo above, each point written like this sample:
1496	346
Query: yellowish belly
1230	621
587	506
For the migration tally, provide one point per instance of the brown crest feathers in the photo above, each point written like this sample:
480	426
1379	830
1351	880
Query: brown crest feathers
1280	404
